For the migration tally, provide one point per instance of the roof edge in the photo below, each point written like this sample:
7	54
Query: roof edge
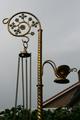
61	93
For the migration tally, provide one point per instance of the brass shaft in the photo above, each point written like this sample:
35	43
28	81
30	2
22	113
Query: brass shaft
39	86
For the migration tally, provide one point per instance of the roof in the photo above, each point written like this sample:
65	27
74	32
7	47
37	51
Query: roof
65	97
75	98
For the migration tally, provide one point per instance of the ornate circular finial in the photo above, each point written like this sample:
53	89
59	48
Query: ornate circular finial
22	24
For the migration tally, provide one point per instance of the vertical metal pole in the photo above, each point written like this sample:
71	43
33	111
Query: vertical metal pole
23	83
26	86
30	83
39	86
16	97
17	82
30	89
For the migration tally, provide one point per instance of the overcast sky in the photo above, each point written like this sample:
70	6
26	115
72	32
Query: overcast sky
60	20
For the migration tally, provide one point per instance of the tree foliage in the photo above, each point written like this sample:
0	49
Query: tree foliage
58	114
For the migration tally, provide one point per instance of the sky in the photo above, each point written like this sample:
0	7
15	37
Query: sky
60	20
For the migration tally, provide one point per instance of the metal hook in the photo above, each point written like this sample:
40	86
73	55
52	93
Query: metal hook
25	44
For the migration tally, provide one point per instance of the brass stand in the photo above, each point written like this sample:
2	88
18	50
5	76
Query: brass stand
23	24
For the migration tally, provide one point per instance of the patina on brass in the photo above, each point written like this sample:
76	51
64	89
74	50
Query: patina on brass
22	24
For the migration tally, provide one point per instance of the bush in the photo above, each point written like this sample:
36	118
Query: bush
58	114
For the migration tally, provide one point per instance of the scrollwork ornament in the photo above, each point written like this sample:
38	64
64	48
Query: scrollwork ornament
22	24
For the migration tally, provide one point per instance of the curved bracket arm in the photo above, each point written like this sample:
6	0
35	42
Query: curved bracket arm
73	70
53	65
62	71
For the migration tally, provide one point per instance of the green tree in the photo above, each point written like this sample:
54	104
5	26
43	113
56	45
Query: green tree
61	114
